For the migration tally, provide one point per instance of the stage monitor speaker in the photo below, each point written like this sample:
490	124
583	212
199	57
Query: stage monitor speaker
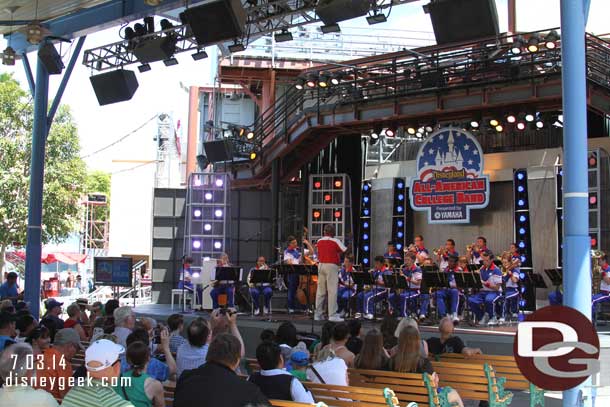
219	150
155	49
51	59
115	86
462	20
333	11
217	21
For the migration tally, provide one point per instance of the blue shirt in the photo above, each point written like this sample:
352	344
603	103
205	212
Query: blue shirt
189	357
492	275
292	256
7	291
393	255
411	273
345	278
5	341
156	369
509	281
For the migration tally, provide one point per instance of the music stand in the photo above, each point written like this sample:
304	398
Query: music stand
474	267
537	279
395	281
556	276
434	279
300	270
229	274
261	276
467	281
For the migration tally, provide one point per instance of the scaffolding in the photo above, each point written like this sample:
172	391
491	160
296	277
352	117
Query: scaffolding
94	234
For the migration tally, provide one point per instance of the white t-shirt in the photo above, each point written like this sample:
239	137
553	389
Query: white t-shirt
333	371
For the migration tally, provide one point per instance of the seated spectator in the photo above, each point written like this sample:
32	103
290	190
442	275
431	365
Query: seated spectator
192	353
109	323
156	368
144	391
7	330
51	318
73	321
225	321
354	343
124	321
7	306
373	355
337	345
40	339
25	325
16	373
97	311
175	322
101	359
408	359
267	335
216	379
328	369
388	327
9	290
447	343
286	337
56	365
299	361
327	334
83	305
405	322
151	327
273	380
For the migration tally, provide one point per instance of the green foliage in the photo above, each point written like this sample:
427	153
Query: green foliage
64	178
98	181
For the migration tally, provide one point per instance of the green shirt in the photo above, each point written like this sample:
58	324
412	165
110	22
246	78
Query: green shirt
135	393
95	395
299	374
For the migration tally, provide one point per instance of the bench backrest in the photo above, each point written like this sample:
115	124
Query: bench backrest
284	403
347	396
408	387
469	380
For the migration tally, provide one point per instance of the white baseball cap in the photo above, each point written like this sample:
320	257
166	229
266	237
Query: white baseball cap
102	351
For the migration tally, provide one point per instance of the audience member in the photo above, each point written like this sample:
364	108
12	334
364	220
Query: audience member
273	380
101	361
327	334
216	379
109	308
286	337
388	327
7	306
152	328
225	321
83	305
408	359
373	355
156	369
51	318
299	361
16	372
328	369
40	339
7	330
354	343
192	353
25	325
339	339
447	343
56	365
9	290
144	391
405	322
175	323
74	321
124	321
267	335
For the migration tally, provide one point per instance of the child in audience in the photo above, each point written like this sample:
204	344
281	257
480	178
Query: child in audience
299	361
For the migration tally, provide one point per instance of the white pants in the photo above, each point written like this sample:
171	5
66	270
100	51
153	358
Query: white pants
328	284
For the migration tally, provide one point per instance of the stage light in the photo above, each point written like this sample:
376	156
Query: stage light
529	117
327	197
310	81
499	128
411	130
521	126
520	175
330	28
520	188
550	41
207	227
522	277
474	124
400	185
401	197
521	202
338	183
376	18
390	131
236	47
208	196
195	274
317	185
316	214
197	213
253	155
217	245
366	212
250	135
366	248
374	136
323	80
8	56
139	29
219	183
593	241
199	55
517	45
522	231
494	123
366	187
400	234
592	160
196	244
398	246
522	218
144	68
170	61
399	208
299	83
165	24
337	214
365	236
592	199
218	213
365	225
539	124
523	258
429	129
521	245
335	78
283	36
206	258
376	131
532	44
365	260
511	118
399	223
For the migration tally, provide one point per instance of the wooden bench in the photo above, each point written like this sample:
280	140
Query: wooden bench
409	387
284	403
350	396
474	382
504	366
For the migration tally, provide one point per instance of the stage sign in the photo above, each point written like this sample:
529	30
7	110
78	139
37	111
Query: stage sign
449	180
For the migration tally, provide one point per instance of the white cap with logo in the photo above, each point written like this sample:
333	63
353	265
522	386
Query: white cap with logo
104	352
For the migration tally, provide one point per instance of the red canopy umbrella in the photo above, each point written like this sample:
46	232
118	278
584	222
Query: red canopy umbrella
63	257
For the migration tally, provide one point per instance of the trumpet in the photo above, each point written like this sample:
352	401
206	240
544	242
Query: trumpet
410	248
471	246
441	251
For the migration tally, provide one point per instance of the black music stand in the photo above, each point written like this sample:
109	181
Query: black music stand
537	279
261	276
395	282
434	280
230	275
467	281
351	286
474	267
556	276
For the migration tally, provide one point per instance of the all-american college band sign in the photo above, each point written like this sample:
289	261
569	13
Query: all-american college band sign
449	181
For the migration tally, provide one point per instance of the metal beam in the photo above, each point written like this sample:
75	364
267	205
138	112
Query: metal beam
64	80
28	73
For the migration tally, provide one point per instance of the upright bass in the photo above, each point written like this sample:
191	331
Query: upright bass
308	284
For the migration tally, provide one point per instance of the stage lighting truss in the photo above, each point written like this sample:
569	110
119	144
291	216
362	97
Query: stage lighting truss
364	241
329	203
522	236
399	207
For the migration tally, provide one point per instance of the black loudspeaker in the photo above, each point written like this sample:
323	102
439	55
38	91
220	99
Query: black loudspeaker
333	11
51	59
219	150
155	49
115	86
214	22
463	20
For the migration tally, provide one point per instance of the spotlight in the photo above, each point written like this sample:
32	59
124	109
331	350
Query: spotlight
522	218
208	196
511	118
411	130
330	28
9	56
327	197
521	126
170	61
539	124
429	129
335	78
316	214
284	36
144	68
517	45
390	131
196	244
253	155
166	24
236	47
550	41
323	80
376	18
317	185
532	44
218	213
130	34
337	214
299	84
197	213
217	245
494	123
199	55
338	183
219	183
195	274
474	124
149	23
139	29
310	80
207	227
499	128
529	117
250	135
376	132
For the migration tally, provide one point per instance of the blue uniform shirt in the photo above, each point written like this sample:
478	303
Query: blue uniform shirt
393	255
492	275
509	281
292	256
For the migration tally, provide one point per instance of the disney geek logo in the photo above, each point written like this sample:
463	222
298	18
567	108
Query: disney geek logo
557	348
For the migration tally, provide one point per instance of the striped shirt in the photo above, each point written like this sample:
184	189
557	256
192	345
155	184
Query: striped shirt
96	395
175	340
189	357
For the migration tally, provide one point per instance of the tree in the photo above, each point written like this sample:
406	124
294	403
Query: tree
99	182
64	178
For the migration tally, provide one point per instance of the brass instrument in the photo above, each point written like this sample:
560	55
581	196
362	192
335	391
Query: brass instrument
596	268
441	251
410	248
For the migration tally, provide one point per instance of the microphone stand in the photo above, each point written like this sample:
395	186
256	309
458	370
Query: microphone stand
183	283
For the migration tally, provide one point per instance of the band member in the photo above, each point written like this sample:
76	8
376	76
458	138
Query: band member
511	282
463	262
392	253
223	286
514	251
408	298
347	288
330	250
292	255
419	249
556	296
443	256
491	277
185	274
450	293
479	247
604	286
256	289
367	299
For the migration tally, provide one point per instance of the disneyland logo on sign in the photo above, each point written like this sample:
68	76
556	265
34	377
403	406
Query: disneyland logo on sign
450	180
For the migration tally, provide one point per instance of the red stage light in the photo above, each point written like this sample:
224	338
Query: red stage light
593	242
338	214
592	160
316	214
317	185
338	183
592	200
327	197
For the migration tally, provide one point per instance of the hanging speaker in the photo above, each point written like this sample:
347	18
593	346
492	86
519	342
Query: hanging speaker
115	86
219	150
51	59
462	20
216	21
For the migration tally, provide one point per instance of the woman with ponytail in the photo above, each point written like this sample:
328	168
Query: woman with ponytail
144	391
